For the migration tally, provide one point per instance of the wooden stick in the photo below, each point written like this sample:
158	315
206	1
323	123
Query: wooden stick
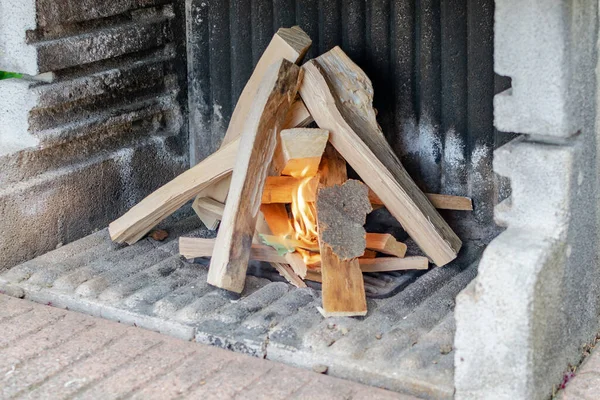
343	285
387	264
302	149
338	95
257	146
290	44
198	247
289	243
278	189
439	201
369	254
167	199
386	244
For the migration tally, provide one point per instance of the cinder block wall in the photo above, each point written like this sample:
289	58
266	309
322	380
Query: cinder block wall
535	303
109	128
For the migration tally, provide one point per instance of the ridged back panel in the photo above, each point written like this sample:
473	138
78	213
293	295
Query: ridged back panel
431	64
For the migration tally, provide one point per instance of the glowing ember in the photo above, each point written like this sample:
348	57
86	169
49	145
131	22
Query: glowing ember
304	221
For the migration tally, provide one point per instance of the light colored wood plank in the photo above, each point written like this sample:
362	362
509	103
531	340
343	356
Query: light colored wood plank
386	244
439	201
302	149
343	285
369	254
197	247
134	224
257	145
278	189
200	247
339	96
388	264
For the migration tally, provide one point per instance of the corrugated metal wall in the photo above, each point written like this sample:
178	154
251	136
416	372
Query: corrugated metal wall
431	63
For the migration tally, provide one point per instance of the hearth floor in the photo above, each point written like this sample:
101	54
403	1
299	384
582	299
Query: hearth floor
403	344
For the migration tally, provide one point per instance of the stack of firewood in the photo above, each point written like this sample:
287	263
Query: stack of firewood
281	192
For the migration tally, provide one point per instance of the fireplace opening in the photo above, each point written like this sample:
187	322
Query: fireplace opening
137	93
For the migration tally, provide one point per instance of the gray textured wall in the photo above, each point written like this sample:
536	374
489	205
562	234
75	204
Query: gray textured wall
431	63
109	129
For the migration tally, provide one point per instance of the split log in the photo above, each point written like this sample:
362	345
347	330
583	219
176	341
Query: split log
301	149
386	244
257	146
339	96
381	264
218	193
290	44
197	247
140	219
343	285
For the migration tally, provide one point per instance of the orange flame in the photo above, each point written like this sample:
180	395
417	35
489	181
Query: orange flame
304	220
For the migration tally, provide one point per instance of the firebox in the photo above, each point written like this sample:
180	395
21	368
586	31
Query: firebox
494	101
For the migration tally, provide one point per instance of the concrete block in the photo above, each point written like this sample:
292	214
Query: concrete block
59	206
107	43
16	103
16	19
545	47
532	306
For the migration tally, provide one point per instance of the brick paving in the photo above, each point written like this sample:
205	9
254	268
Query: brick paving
50	353
586	383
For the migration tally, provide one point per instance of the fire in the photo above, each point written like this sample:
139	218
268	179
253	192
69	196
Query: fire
304	221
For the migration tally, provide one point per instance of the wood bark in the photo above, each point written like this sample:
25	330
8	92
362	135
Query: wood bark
257	147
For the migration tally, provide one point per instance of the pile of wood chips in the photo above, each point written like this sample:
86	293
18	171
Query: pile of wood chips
281	192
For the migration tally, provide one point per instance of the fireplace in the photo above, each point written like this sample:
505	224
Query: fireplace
491	100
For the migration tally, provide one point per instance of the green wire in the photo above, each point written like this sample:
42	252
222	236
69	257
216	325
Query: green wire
8	75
